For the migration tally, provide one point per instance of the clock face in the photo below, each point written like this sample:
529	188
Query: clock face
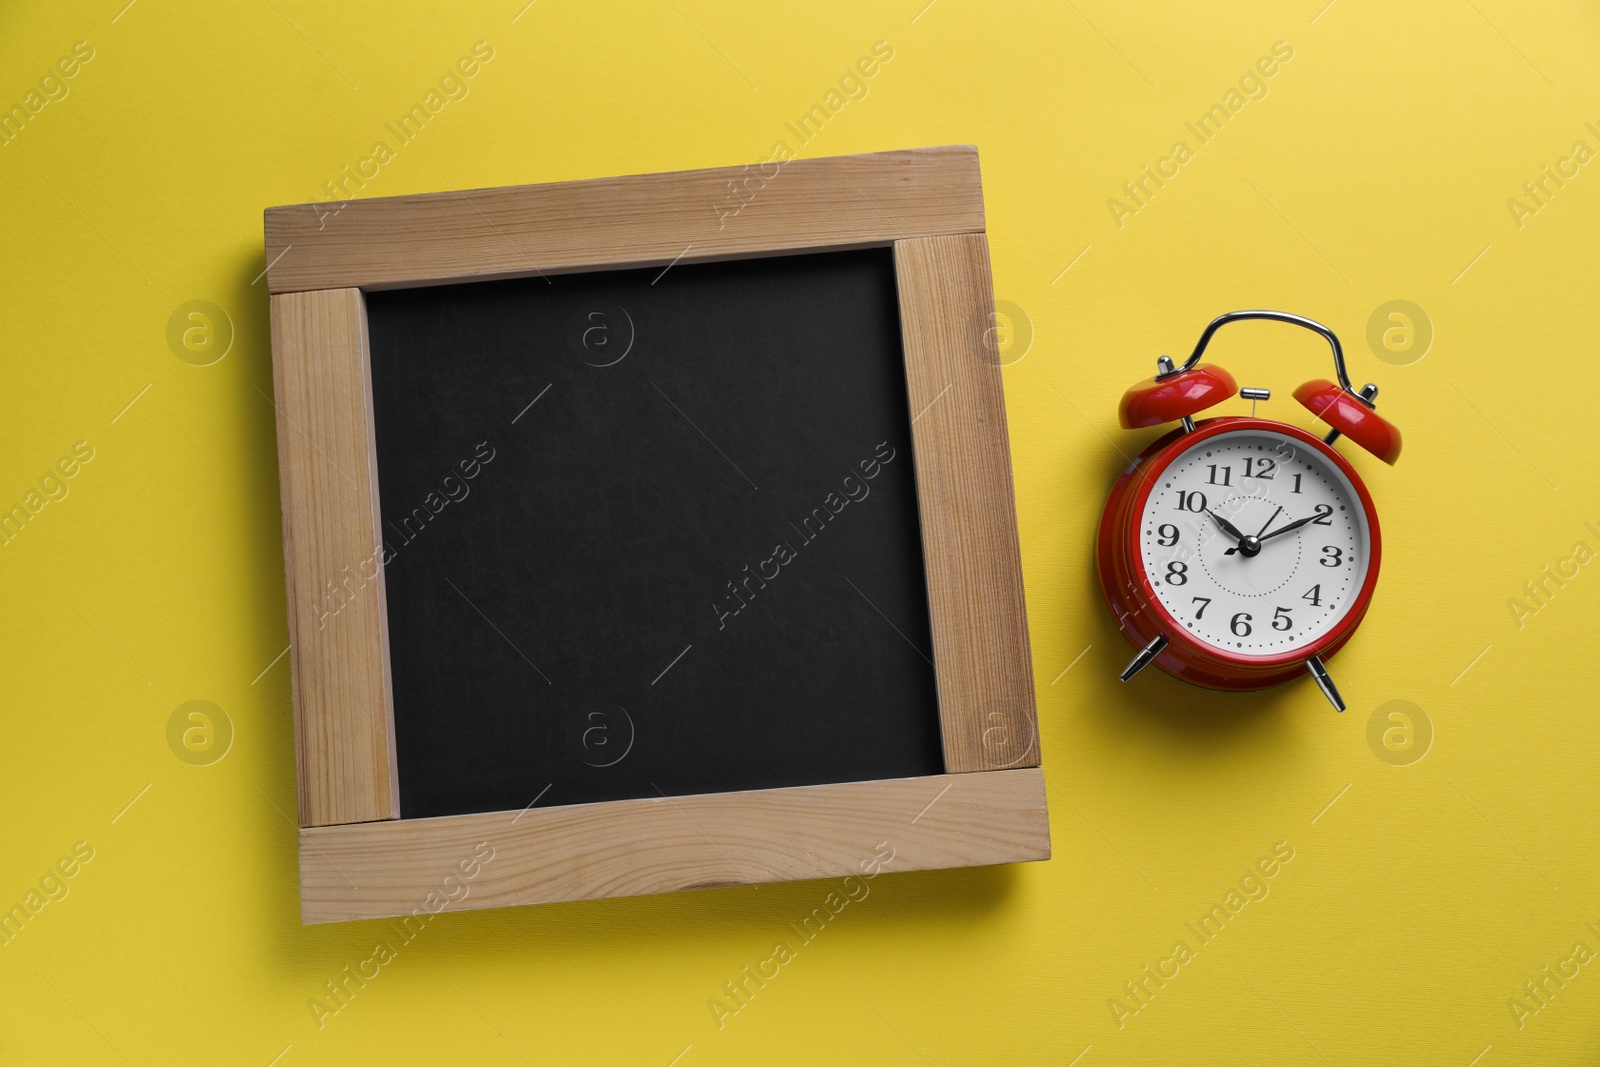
1267	586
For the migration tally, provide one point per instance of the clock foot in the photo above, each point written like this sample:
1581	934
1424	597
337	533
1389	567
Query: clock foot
1146	656
1325	683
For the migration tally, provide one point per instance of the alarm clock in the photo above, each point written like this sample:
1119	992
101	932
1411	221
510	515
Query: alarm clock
1241	553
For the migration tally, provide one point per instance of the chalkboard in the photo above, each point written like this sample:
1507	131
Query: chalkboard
651	532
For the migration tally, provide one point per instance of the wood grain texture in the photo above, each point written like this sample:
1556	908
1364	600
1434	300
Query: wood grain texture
327	467
636	221
659	845
969	523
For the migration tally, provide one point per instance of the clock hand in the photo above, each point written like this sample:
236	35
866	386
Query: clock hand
1289	527
1249	544
1227	527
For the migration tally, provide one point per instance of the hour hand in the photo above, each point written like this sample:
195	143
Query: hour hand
1227	527
1288	527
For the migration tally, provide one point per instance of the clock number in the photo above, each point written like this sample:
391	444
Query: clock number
1314	594
1203	601
1169	535
1177	573
1297	478
1324	514
1227	474
1195	501
1240	624
1282	616
1259	467
1331	556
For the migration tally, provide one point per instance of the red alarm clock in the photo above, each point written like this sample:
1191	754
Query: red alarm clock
1240	553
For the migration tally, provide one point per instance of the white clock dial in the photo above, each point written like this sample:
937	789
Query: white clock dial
1263	589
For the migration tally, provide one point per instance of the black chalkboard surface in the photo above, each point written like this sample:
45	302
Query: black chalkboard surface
651	533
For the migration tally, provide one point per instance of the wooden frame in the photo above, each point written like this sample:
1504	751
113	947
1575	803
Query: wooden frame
358	858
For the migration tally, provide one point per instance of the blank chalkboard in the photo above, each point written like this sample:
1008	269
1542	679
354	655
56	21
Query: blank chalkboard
627	577
651	532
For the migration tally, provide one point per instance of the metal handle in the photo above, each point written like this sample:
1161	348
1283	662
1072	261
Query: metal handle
1275	316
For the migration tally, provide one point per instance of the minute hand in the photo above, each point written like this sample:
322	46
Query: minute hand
1288	528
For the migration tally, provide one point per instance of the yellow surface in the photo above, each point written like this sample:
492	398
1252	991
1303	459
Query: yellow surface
1377	167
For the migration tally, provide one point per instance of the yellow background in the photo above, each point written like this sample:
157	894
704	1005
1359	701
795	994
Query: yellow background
1377	168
